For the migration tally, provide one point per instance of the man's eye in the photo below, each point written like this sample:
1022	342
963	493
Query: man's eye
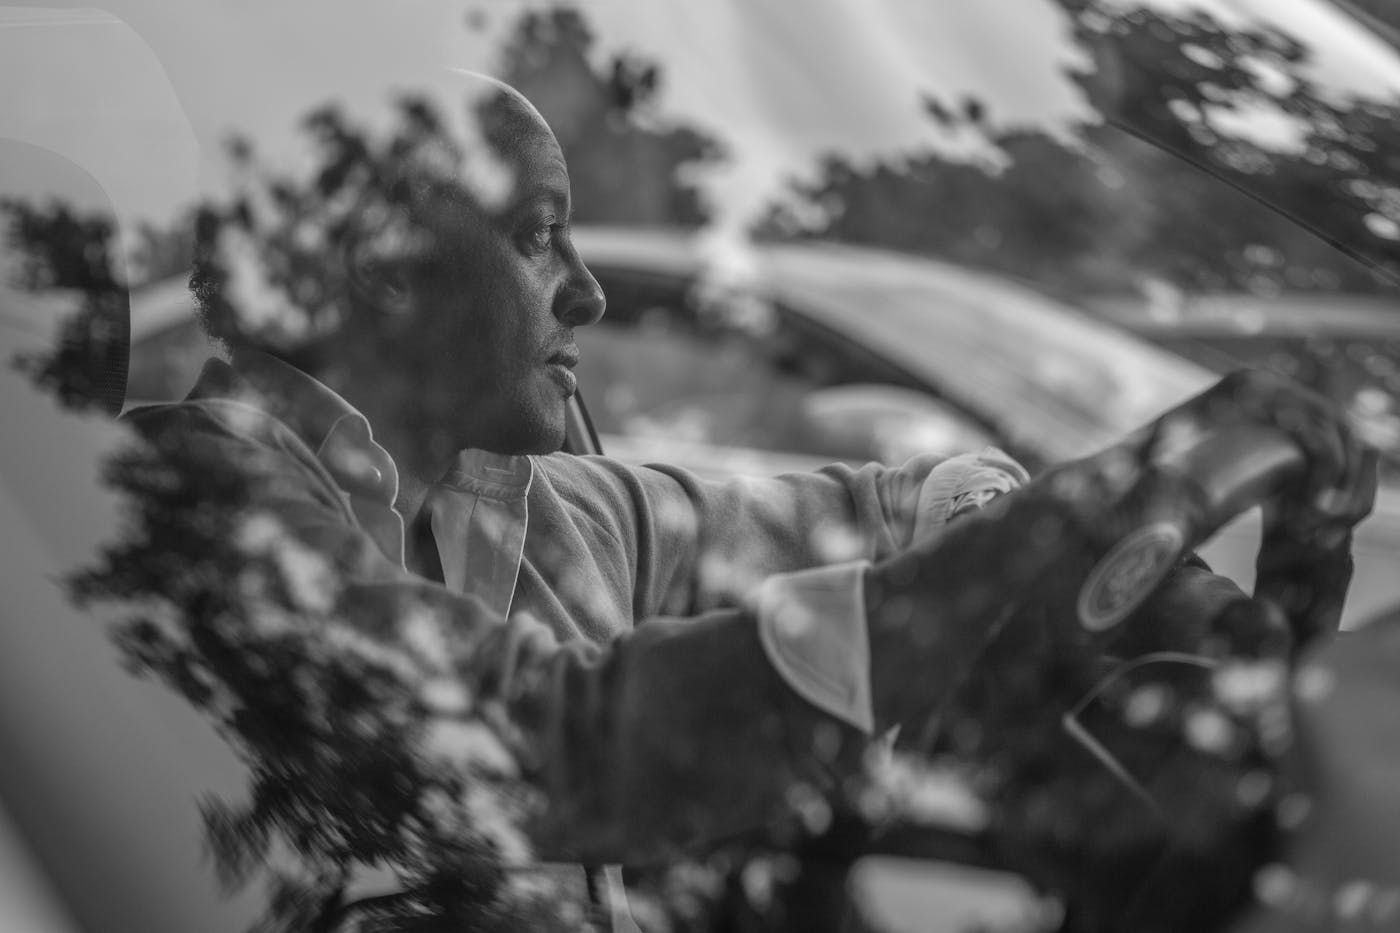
542	237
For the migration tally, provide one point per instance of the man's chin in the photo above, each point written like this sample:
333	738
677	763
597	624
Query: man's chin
542	447
555	442
531	436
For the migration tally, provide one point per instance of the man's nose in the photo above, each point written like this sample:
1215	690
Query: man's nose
583	301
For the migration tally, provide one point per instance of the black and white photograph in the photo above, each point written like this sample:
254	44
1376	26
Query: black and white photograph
700	466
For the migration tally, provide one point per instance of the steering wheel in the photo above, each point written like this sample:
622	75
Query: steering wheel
1126	780
1117	776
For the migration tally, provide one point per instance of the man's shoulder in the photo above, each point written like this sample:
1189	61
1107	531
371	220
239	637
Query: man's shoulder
591	482
616	493
589	471
235	453
214	416
231	432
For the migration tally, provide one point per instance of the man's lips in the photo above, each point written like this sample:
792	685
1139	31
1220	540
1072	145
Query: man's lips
561	368
568	357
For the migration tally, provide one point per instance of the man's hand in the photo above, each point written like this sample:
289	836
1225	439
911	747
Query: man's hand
1339	485
1304	563
1199	612
933	609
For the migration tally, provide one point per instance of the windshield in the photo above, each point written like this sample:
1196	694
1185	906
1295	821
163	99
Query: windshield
709	244
1053	380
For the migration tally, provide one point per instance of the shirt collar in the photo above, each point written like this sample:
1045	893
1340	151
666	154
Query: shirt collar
335	431
499	476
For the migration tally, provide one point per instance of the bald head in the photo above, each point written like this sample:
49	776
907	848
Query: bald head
503	133
460	283
493	282
504	114
467	167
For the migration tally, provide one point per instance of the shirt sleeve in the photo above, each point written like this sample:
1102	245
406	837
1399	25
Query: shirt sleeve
812	625
792	549
681	732
813	622
696	544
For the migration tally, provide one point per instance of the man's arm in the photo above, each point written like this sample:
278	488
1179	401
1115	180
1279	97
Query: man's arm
685	731
696	544
688	730
678	734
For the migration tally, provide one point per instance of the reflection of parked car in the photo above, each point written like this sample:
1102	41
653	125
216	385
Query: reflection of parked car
801	353
1347	346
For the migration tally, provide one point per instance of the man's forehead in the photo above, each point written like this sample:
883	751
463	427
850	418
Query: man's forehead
521	153
501	158
540	169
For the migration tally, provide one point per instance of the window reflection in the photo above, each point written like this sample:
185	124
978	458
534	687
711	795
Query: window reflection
1212	169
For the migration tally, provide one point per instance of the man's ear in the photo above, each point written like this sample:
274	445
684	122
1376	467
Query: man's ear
382	282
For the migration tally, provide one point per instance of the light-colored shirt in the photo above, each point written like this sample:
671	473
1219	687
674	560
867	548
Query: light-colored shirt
644	738
591	546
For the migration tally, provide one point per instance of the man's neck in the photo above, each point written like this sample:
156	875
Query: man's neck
412	491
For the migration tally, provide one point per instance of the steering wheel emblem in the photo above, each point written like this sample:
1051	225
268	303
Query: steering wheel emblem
1127	574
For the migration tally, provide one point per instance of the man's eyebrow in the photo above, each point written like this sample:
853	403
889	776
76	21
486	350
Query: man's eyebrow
550	197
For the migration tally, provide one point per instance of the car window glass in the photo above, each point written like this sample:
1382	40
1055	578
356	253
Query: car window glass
685	370
826	232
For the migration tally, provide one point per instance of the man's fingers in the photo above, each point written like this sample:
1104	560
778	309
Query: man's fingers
1357	496
1347	498
1319	427
1337	459
1266	398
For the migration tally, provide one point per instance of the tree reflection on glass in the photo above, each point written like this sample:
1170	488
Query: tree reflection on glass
364	753
1101	209
65	251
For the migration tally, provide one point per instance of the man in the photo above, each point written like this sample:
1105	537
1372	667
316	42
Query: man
589	547
784	653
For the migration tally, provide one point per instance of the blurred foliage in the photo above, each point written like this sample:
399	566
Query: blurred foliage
351	767
275	266
334	735
628	164
263	275
61	248
1102	210
70	255
162	252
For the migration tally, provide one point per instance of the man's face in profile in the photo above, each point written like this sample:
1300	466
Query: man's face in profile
502	290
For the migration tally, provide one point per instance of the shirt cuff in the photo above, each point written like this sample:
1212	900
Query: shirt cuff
962	484
813	629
